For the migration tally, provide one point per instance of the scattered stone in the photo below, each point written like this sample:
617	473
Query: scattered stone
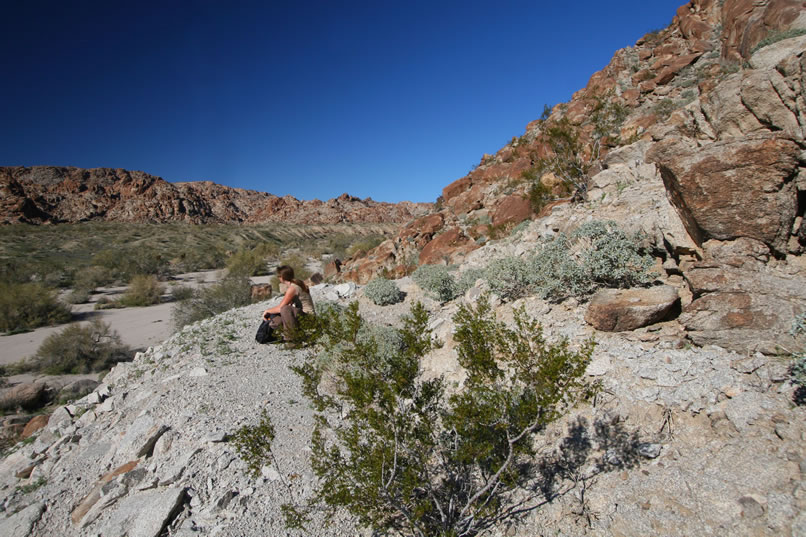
36	423
345	290
198	372
751	508
77	389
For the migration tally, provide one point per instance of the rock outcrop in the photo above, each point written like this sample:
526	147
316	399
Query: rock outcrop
61	194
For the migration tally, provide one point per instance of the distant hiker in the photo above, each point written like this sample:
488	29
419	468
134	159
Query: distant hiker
296	301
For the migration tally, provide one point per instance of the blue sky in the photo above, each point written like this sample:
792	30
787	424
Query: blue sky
387	99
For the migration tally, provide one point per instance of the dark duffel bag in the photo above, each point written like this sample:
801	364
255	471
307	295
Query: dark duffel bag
265	333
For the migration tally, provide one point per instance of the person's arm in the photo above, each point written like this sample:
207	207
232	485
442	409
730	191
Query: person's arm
290	293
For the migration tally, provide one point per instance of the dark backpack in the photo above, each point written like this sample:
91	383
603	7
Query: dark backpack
265	333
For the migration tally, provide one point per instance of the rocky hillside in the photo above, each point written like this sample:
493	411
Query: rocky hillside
695	136
54	194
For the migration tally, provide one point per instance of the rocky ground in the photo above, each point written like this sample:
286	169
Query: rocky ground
681	440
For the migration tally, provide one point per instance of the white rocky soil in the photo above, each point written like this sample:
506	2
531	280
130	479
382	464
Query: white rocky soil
680	441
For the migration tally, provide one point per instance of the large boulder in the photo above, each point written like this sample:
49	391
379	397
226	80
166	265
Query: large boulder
617	310
733	188
29	396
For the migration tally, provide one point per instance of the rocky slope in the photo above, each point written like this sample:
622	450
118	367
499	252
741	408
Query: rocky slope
694	136
61	194
681	441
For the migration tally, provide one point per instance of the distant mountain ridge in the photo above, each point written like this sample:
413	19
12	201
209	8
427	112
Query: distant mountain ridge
55	194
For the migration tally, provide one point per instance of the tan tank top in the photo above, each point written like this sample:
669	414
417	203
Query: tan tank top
303	300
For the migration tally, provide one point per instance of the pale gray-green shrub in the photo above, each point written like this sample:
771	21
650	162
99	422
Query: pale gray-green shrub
437	281
612	258
383	292
509	277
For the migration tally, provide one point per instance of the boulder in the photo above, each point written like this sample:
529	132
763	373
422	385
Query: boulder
77	389
29	396
734	188
145	514
617	310
316	278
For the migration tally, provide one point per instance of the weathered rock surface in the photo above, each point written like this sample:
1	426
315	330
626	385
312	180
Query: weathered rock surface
64	194
732	189
28	396
616	310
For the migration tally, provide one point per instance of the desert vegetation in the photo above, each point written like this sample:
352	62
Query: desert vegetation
79	348
411	456
597	254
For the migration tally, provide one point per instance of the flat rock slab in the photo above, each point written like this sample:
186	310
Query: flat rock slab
618	310
20	524
144	515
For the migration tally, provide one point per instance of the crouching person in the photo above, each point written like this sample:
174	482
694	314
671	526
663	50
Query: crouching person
296	302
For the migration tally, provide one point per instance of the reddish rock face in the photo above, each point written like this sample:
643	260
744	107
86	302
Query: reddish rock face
444	246
512	210
732	189
747	22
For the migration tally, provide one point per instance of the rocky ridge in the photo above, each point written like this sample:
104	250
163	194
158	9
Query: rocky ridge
50	194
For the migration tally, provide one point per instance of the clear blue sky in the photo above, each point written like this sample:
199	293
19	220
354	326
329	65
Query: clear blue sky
388	99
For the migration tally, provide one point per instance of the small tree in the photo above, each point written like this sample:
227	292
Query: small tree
410	459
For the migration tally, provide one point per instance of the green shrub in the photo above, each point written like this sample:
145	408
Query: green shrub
298	263
247	263
231	292
80	348
436	281
364	245
78	296
409	459
144	290
125	263
383	292
597	254
181	292
554	273
253	444
467	279
24	306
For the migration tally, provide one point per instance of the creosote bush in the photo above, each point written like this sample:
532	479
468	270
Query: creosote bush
24	306
383	292
80	348
437	281
144	290
231	292
411	459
